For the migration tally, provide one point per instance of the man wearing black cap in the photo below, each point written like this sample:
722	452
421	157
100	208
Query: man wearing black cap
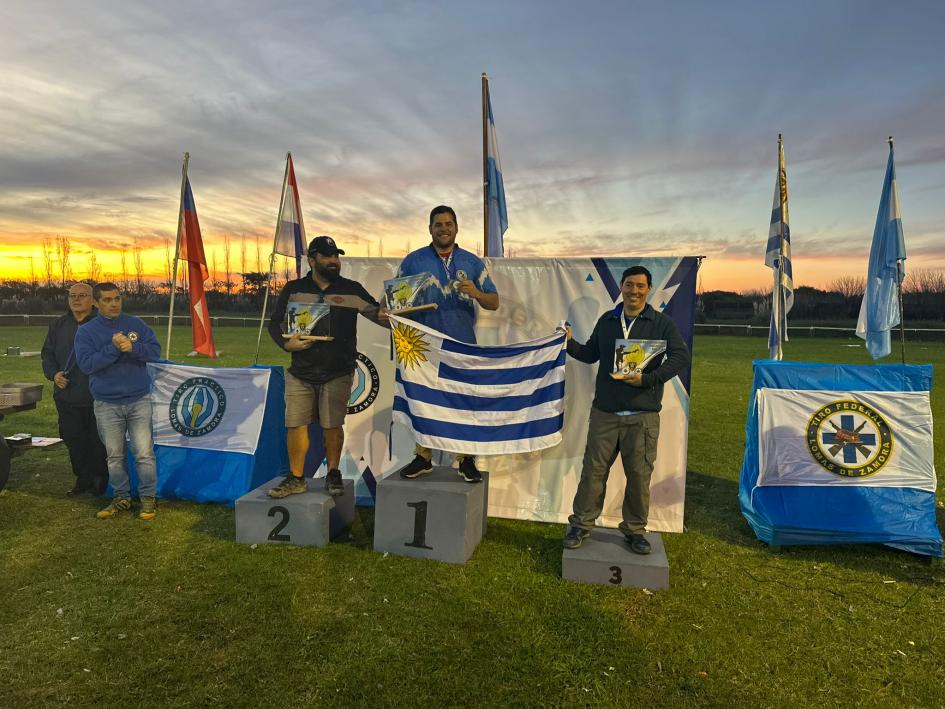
318	383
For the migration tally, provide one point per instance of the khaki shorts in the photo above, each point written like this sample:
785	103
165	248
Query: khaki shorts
325	404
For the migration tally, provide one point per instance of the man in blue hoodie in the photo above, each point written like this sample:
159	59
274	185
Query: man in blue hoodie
113	349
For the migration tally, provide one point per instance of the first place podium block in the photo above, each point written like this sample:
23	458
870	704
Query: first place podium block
310	519
436	516
605	558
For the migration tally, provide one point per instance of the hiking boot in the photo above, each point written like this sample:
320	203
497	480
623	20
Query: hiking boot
638	543
119	504
416	467
291	485
333	483
148	508
575	537
468	472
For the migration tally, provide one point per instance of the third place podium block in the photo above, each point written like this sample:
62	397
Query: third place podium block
310	519
436	516
605	558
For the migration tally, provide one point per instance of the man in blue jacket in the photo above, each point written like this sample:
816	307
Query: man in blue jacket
625	415
113	349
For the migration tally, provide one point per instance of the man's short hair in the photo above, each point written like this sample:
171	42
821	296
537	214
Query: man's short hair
102	287
637	271
443	209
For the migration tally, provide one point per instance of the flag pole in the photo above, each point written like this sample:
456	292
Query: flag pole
902	312
272	258
485	165
782	320
172	286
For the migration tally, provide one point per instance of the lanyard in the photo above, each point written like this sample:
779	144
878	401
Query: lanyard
447	264
626	327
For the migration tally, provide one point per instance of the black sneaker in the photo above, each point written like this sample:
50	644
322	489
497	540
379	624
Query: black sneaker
575	537
290	486
468	472
333	483
638	543
416	467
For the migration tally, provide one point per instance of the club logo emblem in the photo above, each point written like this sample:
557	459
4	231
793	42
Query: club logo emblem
197	407
133	336
849	438
364	386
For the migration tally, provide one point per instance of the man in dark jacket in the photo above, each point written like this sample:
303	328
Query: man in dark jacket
625	413
71	394
318	383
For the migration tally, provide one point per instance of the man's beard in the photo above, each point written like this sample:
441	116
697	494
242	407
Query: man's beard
328	274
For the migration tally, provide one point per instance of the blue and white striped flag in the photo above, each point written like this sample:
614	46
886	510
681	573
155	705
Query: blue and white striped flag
495	189
778	257
879	311
477	399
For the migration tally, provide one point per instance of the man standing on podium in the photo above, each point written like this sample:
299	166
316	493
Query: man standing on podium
625	414
464	281
318	383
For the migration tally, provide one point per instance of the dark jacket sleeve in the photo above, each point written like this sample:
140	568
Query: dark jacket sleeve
50	364
147	348
589	352
278	316
676	359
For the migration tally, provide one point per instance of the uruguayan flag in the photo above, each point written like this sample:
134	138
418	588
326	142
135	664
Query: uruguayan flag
211	408
495	189
475	399
778	258
879	311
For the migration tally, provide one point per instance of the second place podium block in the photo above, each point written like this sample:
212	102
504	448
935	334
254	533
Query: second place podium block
311	519
436	516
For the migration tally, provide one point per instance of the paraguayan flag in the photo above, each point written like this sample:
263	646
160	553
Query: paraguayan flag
863	438
213	408
477	399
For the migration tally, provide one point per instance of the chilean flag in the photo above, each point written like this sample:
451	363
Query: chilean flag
191	251
290	240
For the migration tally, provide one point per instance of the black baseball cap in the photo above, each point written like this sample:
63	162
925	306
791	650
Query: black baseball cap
323	245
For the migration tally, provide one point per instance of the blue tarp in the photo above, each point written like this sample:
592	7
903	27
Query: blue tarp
903	518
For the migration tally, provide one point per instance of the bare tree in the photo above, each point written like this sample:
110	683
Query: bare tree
138	261
64	250
32	277
94	271
380	247
124	267
849	286
48	257
258	255
228	283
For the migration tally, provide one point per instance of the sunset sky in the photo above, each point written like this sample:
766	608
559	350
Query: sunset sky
625	128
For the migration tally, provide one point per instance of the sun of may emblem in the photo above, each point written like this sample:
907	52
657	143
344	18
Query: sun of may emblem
409	346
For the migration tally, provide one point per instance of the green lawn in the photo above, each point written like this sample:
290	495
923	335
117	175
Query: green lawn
174	612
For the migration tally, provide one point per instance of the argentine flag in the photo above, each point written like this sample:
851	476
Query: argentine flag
495	189
477	399
879	311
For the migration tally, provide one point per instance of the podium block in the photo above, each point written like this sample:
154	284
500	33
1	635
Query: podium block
436	516
311	519
605	558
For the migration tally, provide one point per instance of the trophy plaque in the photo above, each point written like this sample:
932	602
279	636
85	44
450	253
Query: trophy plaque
301	319
632	356
409	294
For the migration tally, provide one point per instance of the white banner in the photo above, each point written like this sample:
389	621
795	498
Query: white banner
212	408
867	438
534	295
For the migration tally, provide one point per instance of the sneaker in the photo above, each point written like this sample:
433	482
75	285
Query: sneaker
148	509
333	483
468	472
291	485
575	537
119	504
416	467
638	543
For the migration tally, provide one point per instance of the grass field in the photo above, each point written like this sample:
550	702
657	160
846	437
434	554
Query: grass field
174	612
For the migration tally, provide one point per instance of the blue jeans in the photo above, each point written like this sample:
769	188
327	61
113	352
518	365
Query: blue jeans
116	423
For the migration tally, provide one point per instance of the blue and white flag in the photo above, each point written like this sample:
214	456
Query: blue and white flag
211	408
477	399
879	311
495	189
778	257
